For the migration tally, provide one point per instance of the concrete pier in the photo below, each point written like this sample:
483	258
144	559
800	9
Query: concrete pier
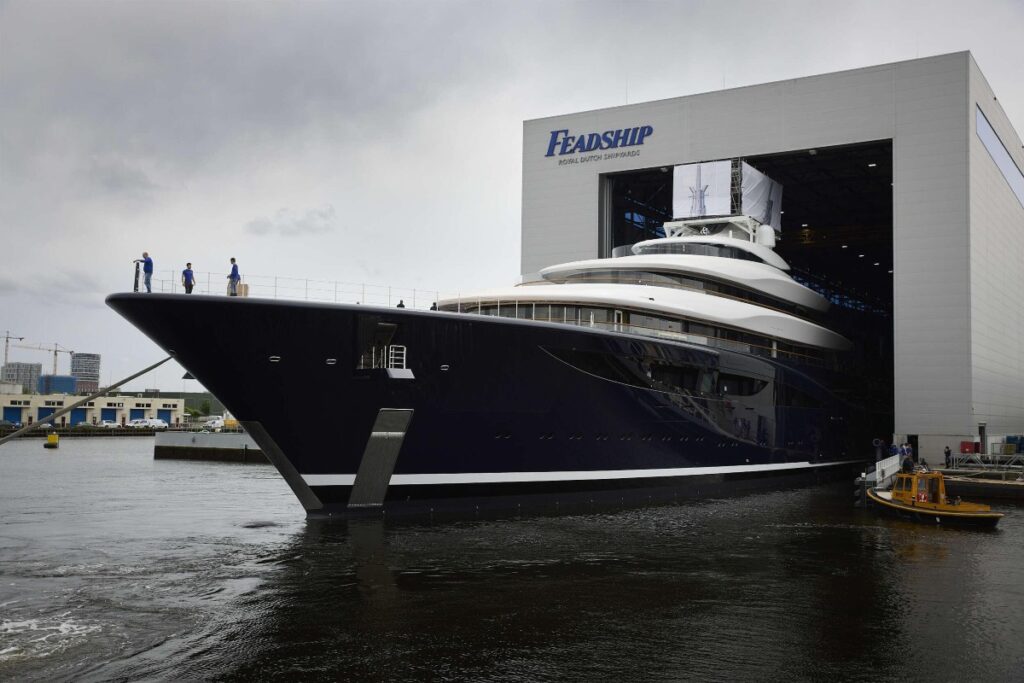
220	446
985	484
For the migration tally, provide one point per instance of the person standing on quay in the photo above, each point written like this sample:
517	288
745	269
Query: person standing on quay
147	270
188	278
233	279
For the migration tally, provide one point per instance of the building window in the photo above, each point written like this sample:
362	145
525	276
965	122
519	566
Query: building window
997	150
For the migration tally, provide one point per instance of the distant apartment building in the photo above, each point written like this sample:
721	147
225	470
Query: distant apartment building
57	384
25	374
85	367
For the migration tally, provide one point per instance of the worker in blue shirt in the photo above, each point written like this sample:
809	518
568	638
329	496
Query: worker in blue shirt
147	269
233	278
188	278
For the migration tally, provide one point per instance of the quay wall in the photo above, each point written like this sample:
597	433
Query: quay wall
219	446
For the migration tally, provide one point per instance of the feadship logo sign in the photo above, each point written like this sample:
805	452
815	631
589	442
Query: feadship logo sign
578	149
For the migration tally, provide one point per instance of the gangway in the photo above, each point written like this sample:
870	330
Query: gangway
880	478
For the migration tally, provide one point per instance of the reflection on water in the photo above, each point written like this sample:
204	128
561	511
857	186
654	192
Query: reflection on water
127	568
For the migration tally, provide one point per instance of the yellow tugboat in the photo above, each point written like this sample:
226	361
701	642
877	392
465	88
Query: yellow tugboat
922	496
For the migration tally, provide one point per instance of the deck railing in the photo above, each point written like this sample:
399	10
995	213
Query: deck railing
337	291
301	289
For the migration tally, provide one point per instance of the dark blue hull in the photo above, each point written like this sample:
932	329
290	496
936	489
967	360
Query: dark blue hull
493	409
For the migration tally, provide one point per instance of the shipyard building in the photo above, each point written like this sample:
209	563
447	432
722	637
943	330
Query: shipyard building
25	409
897	192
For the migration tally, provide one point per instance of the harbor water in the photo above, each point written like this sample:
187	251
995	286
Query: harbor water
114	566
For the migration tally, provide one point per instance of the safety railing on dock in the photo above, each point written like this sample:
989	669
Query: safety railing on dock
987	461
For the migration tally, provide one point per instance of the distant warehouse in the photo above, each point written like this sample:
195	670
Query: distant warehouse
29	408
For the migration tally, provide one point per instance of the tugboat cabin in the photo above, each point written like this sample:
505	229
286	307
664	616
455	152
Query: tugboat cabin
920	487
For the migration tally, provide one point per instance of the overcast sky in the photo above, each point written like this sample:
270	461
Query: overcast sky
374	142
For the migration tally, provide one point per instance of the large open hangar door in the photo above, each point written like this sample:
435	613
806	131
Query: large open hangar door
837	238
836	235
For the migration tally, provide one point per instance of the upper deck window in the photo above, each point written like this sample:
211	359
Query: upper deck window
697	249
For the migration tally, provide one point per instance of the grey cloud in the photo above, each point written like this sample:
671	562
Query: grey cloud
188	82
289	223
76	287
118	177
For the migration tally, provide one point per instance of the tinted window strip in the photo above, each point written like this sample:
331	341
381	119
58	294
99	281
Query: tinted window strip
1003	161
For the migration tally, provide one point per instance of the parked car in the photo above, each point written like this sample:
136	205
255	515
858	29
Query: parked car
109	424
7	424
214	424
157	423
140	423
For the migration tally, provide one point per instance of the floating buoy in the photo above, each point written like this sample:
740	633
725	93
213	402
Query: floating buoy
52	441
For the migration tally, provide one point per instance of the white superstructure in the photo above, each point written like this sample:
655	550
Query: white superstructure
709	283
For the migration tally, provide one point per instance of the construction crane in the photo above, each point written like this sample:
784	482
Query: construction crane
57	348
7	343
